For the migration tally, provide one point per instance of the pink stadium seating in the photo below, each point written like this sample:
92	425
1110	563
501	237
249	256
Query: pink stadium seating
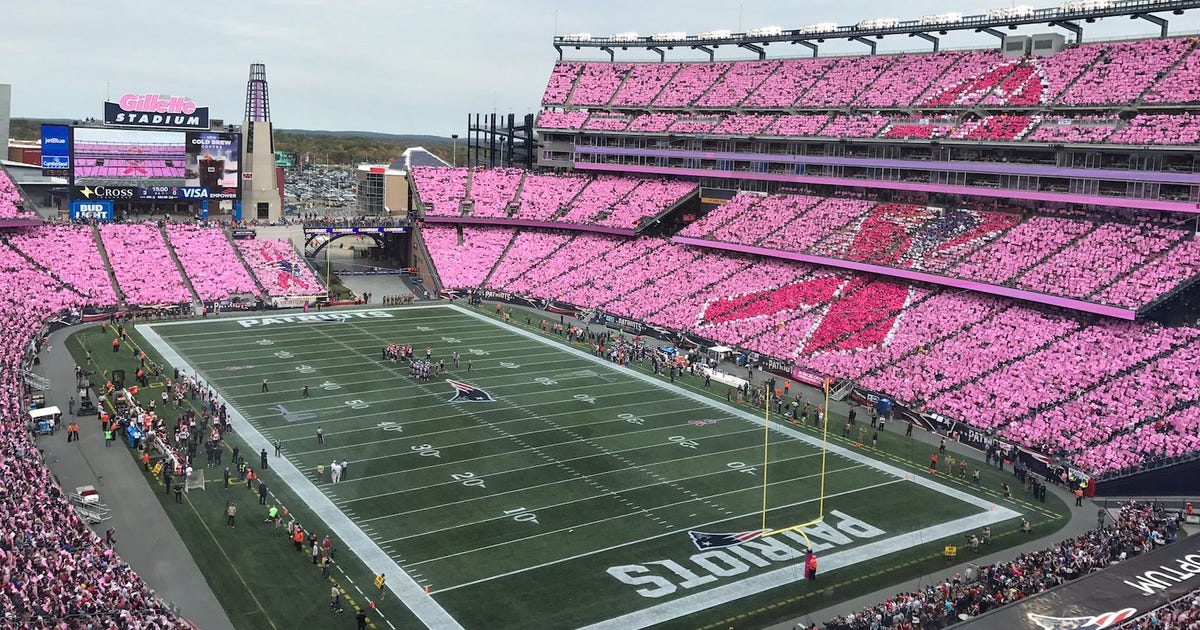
842	83
743	124
972	76
1124	71
441	189
1182	83
1084	129
694	124
209	261
996	128
1060	70
692	80
854	126
562	78
543	196
493	189
464	265
69	252
599	198
606	121
574	119
644	82
279	268
742	78
934	128
599	82
907	78
800	125
1110	251
1149	129
10	196
657	122
142	265
789	82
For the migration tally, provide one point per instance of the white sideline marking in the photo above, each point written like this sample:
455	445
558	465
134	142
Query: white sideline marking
367	550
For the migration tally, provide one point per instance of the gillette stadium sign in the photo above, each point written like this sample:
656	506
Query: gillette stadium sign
154	111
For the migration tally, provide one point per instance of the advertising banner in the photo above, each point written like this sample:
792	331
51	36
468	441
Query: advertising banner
94	210
214	165
1119	593
152	111
111	193
56	148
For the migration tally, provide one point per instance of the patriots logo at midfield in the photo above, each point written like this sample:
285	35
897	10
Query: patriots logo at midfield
1103	620
706	540
469	393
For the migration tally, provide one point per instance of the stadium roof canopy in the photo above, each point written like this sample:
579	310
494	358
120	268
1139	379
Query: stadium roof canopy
416	156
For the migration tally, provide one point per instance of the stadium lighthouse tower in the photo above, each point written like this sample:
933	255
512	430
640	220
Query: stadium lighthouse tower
260	190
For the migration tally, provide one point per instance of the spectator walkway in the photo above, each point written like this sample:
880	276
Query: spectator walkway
146	539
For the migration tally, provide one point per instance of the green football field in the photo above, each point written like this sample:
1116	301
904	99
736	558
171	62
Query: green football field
546	487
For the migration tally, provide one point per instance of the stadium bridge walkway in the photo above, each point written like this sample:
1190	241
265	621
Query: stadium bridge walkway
146	539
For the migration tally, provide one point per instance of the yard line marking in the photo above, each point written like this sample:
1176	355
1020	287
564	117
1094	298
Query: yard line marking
581	500
646	539
587	478
376	560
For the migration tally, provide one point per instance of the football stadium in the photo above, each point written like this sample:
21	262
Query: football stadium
756	336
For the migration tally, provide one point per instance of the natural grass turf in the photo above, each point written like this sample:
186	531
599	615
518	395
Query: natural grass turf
442	517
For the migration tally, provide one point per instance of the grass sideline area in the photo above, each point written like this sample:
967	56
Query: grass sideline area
557	502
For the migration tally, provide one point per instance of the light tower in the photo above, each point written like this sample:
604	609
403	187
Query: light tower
261	198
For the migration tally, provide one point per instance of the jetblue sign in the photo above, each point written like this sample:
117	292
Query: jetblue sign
95	210
56	147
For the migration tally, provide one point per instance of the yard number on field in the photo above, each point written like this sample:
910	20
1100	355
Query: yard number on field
477	352
330	386
631	419
509	365
357	404
468	479
521	515
391	426
684	442
451	340
545	380
424	329
742	467
585	398
425	450
305	369
284	354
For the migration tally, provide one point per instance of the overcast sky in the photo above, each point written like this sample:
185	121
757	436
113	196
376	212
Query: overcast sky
417	66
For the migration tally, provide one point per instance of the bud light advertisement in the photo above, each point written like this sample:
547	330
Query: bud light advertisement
93	210
214	164
56	148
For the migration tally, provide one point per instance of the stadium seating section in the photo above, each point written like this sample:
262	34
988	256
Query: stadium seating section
1066	385
608	201
640	97
10	199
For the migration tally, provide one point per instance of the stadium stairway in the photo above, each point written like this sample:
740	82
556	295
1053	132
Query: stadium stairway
1135	270
1013	281
187	282
237	252
1084	391
503	255
108	267
516	198
68	286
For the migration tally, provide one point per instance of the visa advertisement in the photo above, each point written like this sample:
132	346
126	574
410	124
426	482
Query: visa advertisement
214	163
56	147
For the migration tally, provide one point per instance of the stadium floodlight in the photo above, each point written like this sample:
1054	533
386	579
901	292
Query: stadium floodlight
1007	13
879	23
942	18
669	37
765	31
577	37
721	33
629	36
1088	5
822	27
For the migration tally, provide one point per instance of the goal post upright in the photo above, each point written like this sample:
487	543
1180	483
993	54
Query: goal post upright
823	417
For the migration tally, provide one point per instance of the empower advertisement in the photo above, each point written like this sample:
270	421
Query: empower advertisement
155	111
213	164
56	147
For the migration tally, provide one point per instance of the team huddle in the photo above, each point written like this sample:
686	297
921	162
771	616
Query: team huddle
420	369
